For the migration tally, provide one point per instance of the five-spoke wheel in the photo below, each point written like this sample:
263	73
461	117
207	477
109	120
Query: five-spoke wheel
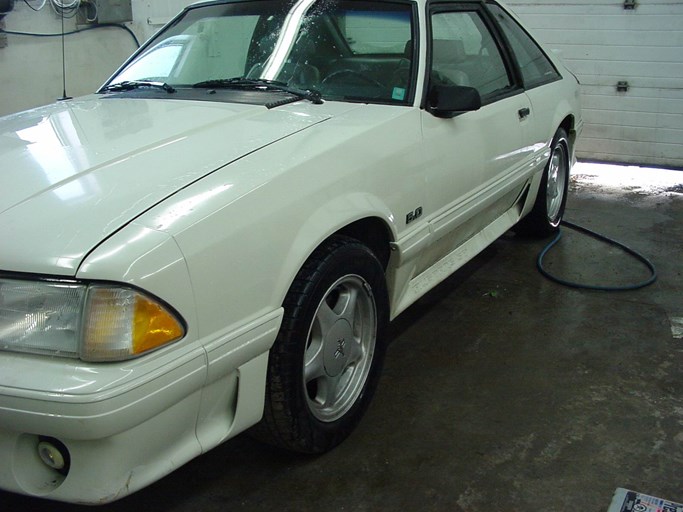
326	361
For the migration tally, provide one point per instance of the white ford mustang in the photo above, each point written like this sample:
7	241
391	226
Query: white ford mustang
217	239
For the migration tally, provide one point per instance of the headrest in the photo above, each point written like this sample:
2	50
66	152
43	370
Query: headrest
448	51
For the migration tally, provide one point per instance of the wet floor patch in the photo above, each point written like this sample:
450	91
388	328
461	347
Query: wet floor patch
608	178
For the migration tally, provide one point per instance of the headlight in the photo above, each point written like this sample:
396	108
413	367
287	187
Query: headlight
95	322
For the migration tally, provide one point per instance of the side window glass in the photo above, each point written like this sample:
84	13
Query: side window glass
465	53
535	66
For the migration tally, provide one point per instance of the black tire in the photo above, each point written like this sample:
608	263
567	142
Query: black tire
326	361
546	215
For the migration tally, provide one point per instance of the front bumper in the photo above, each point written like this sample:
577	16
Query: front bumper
117	441
126	425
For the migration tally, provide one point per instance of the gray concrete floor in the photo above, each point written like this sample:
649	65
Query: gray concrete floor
502	391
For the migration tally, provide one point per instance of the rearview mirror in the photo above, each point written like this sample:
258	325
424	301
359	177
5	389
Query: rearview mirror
450	100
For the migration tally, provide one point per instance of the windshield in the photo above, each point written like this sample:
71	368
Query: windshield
346	50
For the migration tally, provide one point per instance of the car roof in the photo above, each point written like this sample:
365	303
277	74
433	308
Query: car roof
419	2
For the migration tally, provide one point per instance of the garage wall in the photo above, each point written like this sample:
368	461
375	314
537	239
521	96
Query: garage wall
603	43
31	67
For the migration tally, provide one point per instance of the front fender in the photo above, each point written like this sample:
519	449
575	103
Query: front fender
246	229
324	221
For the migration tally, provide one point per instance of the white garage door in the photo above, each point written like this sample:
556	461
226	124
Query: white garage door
639	121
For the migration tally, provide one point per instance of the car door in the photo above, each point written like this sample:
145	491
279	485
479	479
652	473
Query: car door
542	82
475	159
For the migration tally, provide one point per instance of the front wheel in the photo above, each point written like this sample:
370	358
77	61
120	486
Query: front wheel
325	363
546	214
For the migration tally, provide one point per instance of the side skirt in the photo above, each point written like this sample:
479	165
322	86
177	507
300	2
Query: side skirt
428	279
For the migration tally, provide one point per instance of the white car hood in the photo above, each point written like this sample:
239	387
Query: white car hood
73	173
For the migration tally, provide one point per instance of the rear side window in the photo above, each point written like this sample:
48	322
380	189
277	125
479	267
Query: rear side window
536	67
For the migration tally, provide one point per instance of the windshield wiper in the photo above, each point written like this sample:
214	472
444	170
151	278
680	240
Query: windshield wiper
235	82
129	85
263	84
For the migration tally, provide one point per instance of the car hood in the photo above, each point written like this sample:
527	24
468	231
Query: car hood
73	173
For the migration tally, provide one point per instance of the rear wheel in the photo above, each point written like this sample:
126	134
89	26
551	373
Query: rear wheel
326	361
546	215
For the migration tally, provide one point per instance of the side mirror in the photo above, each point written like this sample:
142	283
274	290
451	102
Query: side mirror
450	100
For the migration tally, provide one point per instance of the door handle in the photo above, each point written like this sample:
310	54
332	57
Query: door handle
523	113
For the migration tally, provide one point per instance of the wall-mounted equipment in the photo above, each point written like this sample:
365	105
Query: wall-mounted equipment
623	86
630	4
5	7
105	11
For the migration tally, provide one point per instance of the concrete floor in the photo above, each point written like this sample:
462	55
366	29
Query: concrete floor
501	392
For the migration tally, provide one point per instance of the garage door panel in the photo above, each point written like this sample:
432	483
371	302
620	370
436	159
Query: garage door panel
646	135
616	134
606	84
620	21
564	37
630	152
643	119
658	106
647	100
621	54
636	69
669	136
646	120
671	121
604	44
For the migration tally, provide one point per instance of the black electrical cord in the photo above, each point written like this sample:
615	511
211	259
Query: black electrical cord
571	284
34	8
101	25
